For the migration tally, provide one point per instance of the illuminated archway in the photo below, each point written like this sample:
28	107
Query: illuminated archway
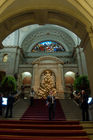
69	77
26	78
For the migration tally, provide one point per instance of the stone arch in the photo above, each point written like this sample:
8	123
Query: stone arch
69	77
38	60
24	82
12	18
53	64
47	32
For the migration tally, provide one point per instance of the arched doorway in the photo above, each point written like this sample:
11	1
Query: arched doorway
26	83
69	81
26	78
69	77
54	66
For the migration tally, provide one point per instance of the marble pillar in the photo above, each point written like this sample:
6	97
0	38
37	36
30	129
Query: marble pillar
36	78
88	50
59	81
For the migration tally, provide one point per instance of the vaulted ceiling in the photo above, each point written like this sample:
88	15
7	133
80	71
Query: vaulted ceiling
30	35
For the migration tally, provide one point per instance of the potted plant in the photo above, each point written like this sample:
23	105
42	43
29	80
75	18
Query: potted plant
82	83
8	84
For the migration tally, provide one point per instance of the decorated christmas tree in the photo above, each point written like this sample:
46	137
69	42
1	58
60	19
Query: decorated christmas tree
47	84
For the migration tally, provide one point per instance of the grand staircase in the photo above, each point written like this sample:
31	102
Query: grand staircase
71	109
41	130
39	111
72	128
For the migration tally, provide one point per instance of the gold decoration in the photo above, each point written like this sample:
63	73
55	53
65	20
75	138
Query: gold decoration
47	84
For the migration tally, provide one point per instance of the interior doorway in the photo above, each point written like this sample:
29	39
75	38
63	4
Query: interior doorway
26	83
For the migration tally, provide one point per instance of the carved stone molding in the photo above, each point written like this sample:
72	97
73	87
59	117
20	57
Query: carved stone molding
38	60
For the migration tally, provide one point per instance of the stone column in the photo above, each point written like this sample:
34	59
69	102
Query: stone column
36	80
79	60
17	59
84	66
88	50
59	81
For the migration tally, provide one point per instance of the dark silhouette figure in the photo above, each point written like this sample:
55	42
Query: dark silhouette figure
51	103
32	93
77	75
22	91
84	106
9	107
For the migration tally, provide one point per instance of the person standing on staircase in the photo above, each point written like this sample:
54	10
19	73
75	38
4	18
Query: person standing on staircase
10	103
51	103
84	106
32	93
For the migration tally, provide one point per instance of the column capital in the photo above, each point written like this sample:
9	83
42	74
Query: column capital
60	65
35	65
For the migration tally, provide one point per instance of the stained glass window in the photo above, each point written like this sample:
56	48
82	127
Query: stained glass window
48	46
